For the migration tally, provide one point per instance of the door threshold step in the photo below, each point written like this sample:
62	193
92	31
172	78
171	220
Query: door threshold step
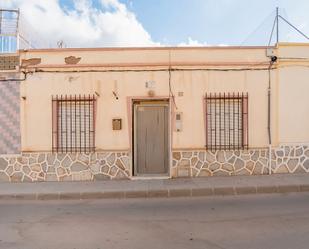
150	177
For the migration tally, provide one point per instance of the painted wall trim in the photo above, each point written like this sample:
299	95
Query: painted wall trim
142	48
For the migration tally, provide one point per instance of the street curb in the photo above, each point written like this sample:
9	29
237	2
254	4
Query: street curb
160	193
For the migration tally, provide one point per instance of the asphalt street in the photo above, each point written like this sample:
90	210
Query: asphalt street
236	222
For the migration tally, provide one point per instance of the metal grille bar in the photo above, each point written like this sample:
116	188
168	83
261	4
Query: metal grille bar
226	121
73	123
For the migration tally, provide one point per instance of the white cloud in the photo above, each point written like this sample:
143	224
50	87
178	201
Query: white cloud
195	43
192	43
82	26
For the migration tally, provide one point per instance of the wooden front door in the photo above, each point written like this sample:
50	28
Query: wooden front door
151	144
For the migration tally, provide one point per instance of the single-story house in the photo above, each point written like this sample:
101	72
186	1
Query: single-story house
74	114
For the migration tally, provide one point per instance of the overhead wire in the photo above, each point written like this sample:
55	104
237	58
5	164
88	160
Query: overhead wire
294	27
136	70
154	70
171	94
263	23
272	31
16	79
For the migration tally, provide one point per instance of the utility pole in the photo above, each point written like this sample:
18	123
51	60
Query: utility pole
277	21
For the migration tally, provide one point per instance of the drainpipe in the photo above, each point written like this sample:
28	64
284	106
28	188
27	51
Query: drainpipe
268	122
273	60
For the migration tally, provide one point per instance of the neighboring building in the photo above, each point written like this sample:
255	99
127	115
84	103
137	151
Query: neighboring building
113	113
9	107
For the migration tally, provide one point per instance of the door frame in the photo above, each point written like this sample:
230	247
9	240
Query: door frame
151	102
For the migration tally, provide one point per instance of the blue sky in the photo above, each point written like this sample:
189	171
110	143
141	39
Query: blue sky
165	22
214	21
211	21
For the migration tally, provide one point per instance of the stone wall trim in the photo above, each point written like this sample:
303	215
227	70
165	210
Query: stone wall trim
31	167
199	163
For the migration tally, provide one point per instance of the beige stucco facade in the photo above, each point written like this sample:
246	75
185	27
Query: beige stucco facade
40	87
183	76
293	100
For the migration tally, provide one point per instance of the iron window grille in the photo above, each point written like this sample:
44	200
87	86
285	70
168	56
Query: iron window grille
73	123
226	121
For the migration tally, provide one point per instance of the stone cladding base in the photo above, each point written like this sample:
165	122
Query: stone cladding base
31	167
285	159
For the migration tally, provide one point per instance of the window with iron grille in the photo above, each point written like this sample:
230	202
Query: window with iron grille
73	123
226	121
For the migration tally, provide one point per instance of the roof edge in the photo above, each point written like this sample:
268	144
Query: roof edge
295	44
142	48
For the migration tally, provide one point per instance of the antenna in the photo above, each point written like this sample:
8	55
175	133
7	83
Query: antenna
276	23
61	44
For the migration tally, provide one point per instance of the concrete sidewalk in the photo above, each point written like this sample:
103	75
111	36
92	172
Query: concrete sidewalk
211	186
